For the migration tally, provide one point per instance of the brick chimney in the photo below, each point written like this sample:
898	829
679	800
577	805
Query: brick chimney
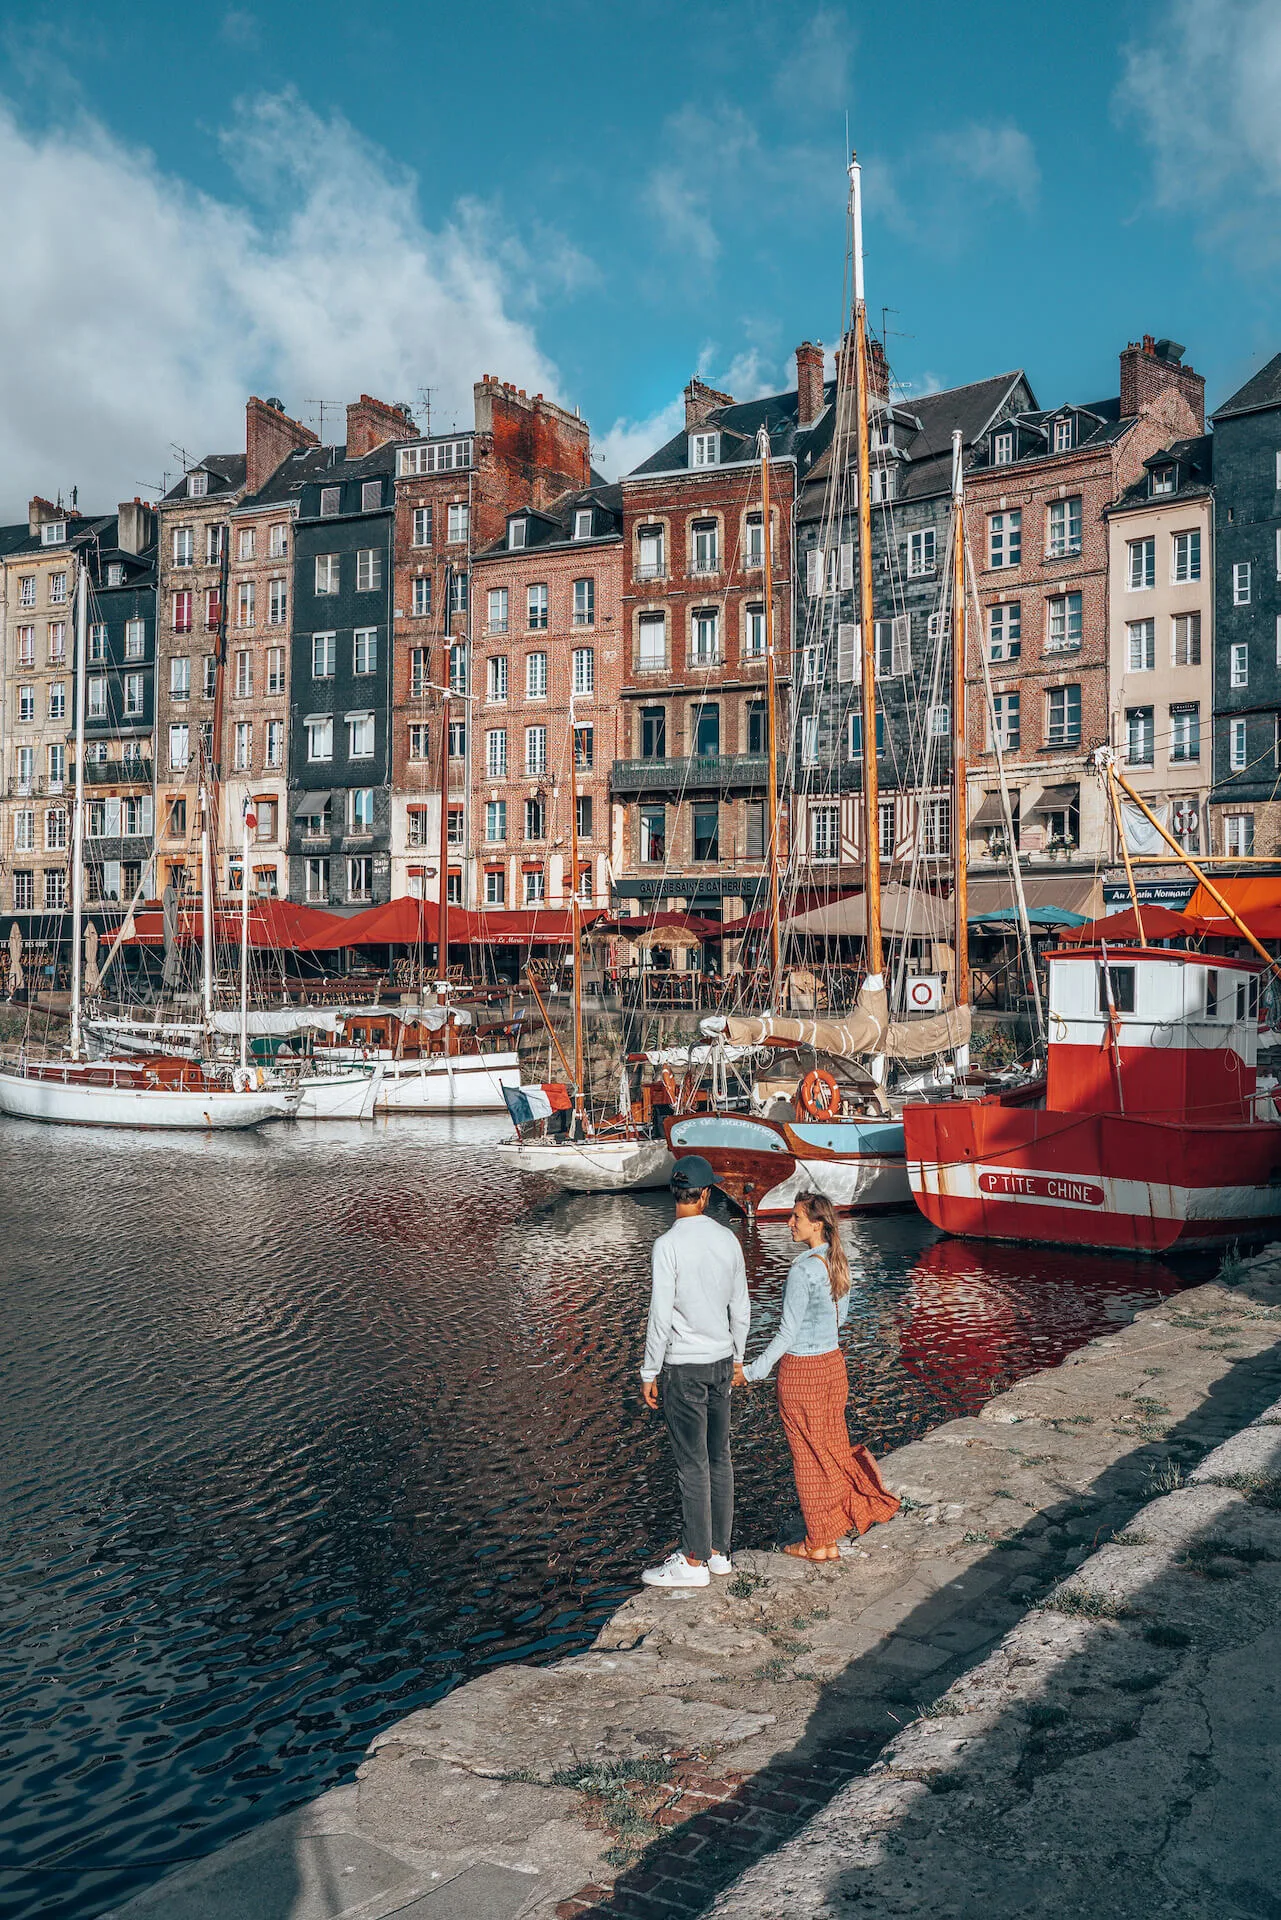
701	401
1152	368
135	526
878	368
543	448
270	435
809	383
39	511
372	423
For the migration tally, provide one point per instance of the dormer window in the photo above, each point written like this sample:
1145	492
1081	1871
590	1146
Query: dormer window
1163	479
53	533
115	574
1063	434
583	523
197	485
1002	449
516	532
704	449
330	502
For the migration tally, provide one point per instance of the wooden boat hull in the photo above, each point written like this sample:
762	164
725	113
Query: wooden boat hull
989	1171
592	1166
763	1164
749	1157
118	1101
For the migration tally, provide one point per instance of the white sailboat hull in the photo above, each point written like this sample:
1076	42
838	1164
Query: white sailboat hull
592	1166
339	1096
73	1102
853	1186
457	1083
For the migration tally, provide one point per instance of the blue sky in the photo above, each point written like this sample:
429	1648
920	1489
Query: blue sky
598	201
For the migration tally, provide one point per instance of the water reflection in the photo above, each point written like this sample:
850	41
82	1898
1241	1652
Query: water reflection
304	1427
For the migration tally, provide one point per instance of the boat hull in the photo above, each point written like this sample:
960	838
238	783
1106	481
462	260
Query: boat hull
454	1083
592	1166
75	1101
749	1157
339	1096
987	1171
761	1165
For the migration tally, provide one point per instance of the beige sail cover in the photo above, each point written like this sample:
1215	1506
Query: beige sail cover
937	1033
865	1031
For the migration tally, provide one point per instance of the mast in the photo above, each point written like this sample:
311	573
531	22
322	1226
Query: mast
576	918
960	883
771	724
78	822
244	939
875	951
442	916
206	910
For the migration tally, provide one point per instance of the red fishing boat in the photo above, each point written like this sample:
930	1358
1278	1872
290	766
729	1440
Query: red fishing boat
1149	1132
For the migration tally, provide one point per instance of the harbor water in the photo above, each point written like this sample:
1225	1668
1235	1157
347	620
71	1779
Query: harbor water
303	1428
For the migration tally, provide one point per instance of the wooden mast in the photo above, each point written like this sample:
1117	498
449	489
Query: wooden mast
576	918
442	914
960	803
771	723
874	947
78	821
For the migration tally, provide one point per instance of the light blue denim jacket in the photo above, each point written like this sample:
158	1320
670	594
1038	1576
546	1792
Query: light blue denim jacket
810	1320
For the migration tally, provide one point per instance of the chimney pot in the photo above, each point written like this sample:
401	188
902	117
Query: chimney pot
809	382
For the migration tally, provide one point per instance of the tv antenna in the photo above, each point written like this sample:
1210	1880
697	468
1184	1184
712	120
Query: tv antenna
334	406
424	407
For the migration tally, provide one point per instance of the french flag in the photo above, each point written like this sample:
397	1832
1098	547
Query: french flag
536	1103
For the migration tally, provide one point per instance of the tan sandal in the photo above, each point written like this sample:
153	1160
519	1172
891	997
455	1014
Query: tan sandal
802	1550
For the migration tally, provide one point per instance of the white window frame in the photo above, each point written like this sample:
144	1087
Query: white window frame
324	655
921	552
1140	566
536	667
1241	583
327	574
496	753
1140	646
584	681
1239	664
1185	557
364	651
496	680
704	449
320	739
362	733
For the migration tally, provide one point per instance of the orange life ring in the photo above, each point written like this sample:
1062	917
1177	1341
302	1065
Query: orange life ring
819	1095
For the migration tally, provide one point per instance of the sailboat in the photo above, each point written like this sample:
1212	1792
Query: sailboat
152	1092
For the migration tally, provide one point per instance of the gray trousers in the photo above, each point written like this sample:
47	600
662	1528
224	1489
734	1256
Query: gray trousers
695	1402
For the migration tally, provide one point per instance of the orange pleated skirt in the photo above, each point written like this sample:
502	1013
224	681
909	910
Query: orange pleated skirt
839	1487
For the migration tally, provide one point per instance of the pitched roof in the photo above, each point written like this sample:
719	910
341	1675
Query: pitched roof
1194	460
926	422
226	472
1262	390
739	425
298	466
554	526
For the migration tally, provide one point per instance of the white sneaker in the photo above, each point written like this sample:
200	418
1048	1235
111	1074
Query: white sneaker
676	1571
720	1563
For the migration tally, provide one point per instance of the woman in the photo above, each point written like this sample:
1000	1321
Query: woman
838	1485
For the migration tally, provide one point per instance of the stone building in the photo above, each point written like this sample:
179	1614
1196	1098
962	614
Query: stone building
1244	808
1037	494
120	707
546	619
454	492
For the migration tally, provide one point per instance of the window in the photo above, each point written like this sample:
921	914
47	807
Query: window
277	602
1116	989
96	698
324	655
704	449
27	590
24	827
1239	665
457	593
27	701
809	740
936	827
184	547
458	669
134	693
754	541
496	753
707	835
495	887
210	664
1164	479
56	761
55	887
495	820
317	879
244	674
330	502
245	543
1238	834
584	748
1002	448
197	485
24	892
1237	745
582	523
1185	557
755	829
705	541
1005	630
583	805
57	642
420	602
1241	584
536	599
275	669
115	574
534	887
278	539
496	679
705	637
754	632
135	639
1138	736
320	737
1005	538
182	612
1141	564
1140	646
360	736
584	670
275	743
885	834
244	746
651	642
213	544
892	640
96	826
1064	527
496	619
326	573
1063	434
179	748
1185	732
757	727
360	877
421	536
517	530
26	639
584	603
535	820
457	740
535	676
55	829
369	570
213	609
653	733
371	495
535	750
418	744
361	810
824	833
650	562
1186	640
24	766
1003	723
920	551
1063	622
439	457
884	483
940	722
364	650
459	521
58	697
1063	717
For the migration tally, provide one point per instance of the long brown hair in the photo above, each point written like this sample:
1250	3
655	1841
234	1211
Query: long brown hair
818	1208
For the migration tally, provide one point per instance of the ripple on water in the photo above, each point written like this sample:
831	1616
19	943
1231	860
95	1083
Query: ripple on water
303	1428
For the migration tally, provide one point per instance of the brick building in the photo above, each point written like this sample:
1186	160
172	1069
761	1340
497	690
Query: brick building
693	773
454	493
1037	494
546	616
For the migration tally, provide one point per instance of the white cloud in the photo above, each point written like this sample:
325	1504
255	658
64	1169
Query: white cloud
940	193
148	311
628	442
815	74
681	211
714	157
1001	159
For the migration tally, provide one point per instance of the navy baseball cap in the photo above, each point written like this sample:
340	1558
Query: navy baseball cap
691	1174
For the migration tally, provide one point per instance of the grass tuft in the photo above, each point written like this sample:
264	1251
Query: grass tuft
940	1709
1132	1537
1165	1476
1260	1489
743	1585
1086	1603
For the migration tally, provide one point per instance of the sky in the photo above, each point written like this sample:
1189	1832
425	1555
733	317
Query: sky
597	202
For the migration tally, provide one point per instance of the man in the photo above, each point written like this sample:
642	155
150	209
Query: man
699	1314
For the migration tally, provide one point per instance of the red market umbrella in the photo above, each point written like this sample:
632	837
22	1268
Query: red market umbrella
1159	923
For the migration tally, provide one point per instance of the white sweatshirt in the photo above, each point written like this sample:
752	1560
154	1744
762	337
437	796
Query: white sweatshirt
698	1307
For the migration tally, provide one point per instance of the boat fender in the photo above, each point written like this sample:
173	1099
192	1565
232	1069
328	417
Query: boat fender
819	1096
242	1080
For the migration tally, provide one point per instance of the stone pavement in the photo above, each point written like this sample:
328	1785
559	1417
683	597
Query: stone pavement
705	1731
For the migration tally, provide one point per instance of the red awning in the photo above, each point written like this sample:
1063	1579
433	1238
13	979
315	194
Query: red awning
406	922
701	928
1159	923
529	927
282	925
1256	899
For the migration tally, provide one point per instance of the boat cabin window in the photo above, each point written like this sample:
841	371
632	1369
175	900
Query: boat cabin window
1247	998
1212	994
1122	984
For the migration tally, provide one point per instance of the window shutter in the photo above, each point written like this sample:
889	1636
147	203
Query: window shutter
847	651
847	567
814	570
113	820
901	644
